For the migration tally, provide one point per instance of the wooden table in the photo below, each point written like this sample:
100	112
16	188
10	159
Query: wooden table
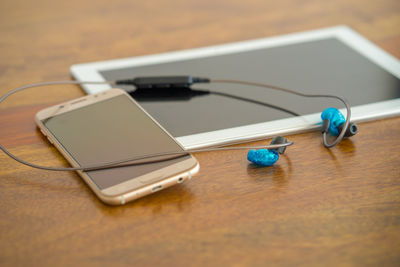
315	207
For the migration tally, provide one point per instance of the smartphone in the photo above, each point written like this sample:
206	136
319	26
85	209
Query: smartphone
111	126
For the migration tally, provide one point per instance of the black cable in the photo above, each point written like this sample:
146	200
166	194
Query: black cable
255	102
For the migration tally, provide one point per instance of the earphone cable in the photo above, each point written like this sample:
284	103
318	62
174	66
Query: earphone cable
128	162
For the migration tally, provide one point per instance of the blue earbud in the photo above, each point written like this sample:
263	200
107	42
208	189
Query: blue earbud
336	122
335	118
267	157
263	157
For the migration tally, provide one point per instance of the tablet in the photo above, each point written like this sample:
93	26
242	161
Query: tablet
333	60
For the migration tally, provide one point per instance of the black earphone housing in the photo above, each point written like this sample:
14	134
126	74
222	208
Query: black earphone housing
351	130
279	140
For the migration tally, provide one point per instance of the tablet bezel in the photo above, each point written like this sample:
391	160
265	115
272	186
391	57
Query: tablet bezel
91	72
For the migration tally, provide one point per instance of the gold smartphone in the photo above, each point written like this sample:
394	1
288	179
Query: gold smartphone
111	126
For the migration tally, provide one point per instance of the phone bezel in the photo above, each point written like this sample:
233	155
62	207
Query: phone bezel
135	187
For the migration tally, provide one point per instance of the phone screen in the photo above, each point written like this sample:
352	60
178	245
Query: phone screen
110	130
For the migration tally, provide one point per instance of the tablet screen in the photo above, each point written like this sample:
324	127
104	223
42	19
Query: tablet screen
325	66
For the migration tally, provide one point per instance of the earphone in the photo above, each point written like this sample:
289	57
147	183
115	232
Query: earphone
333	122
267	157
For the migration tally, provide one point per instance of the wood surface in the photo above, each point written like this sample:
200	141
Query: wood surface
316	207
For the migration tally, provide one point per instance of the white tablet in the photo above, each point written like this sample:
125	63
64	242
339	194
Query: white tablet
333	60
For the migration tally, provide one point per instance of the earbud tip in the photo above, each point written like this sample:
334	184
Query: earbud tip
351	130
263	157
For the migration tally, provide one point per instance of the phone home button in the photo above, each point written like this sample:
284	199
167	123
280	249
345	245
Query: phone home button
150	179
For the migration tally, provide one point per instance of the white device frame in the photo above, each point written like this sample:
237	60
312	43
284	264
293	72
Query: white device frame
91	72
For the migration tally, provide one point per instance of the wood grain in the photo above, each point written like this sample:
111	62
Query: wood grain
338	207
